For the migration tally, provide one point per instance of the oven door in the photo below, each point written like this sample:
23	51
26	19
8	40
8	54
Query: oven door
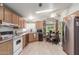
17	44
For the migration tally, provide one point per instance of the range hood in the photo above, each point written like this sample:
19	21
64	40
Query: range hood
5	24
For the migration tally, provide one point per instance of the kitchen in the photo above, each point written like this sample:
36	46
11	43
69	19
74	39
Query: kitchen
13	34
19	28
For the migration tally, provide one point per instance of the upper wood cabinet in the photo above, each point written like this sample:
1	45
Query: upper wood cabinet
68	17
20	22
1	13
14	19
24	24
7	15
75	13
39	24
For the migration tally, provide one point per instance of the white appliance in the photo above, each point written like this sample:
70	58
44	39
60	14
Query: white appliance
17	40
17	45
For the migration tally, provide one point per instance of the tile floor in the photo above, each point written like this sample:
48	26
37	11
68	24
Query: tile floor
43	48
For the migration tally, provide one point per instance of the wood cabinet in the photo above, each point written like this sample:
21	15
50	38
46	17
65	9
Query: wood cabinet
24	24
25	40
39	24
1	12
15	19
21	22
6	48
32	37
7	15
75	13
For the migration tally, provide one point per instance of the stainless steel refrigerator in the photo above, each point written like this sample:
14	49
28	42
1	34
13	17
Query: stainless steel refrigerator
70	41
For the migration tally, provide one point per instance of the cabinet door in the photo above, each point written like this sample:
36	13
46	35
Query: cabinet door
25	40
6	48
14	19
20	22
24	24
1	13
39	24
8	16
31	37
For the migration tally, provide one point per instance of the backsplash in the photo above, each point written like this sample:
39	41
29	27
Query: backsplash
5	29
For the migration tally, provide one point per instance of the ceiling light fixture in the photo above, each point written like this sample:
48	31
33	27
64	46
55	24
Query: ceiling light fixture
30	17
52	15
44	11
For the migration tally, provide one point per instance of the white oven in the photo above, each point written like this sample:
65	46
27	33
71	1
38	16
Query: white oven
17	45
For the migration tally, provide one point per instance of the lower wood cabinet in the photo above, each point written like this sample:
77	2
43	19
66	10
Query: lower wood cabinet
6	48
25	40
28	38
32	37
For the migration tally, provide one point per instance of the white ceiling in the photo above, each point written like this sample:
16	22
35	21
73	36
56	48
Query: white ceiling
29	9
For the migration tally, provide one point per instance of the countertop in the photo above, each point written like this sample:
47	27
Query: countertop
5	40
15	36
